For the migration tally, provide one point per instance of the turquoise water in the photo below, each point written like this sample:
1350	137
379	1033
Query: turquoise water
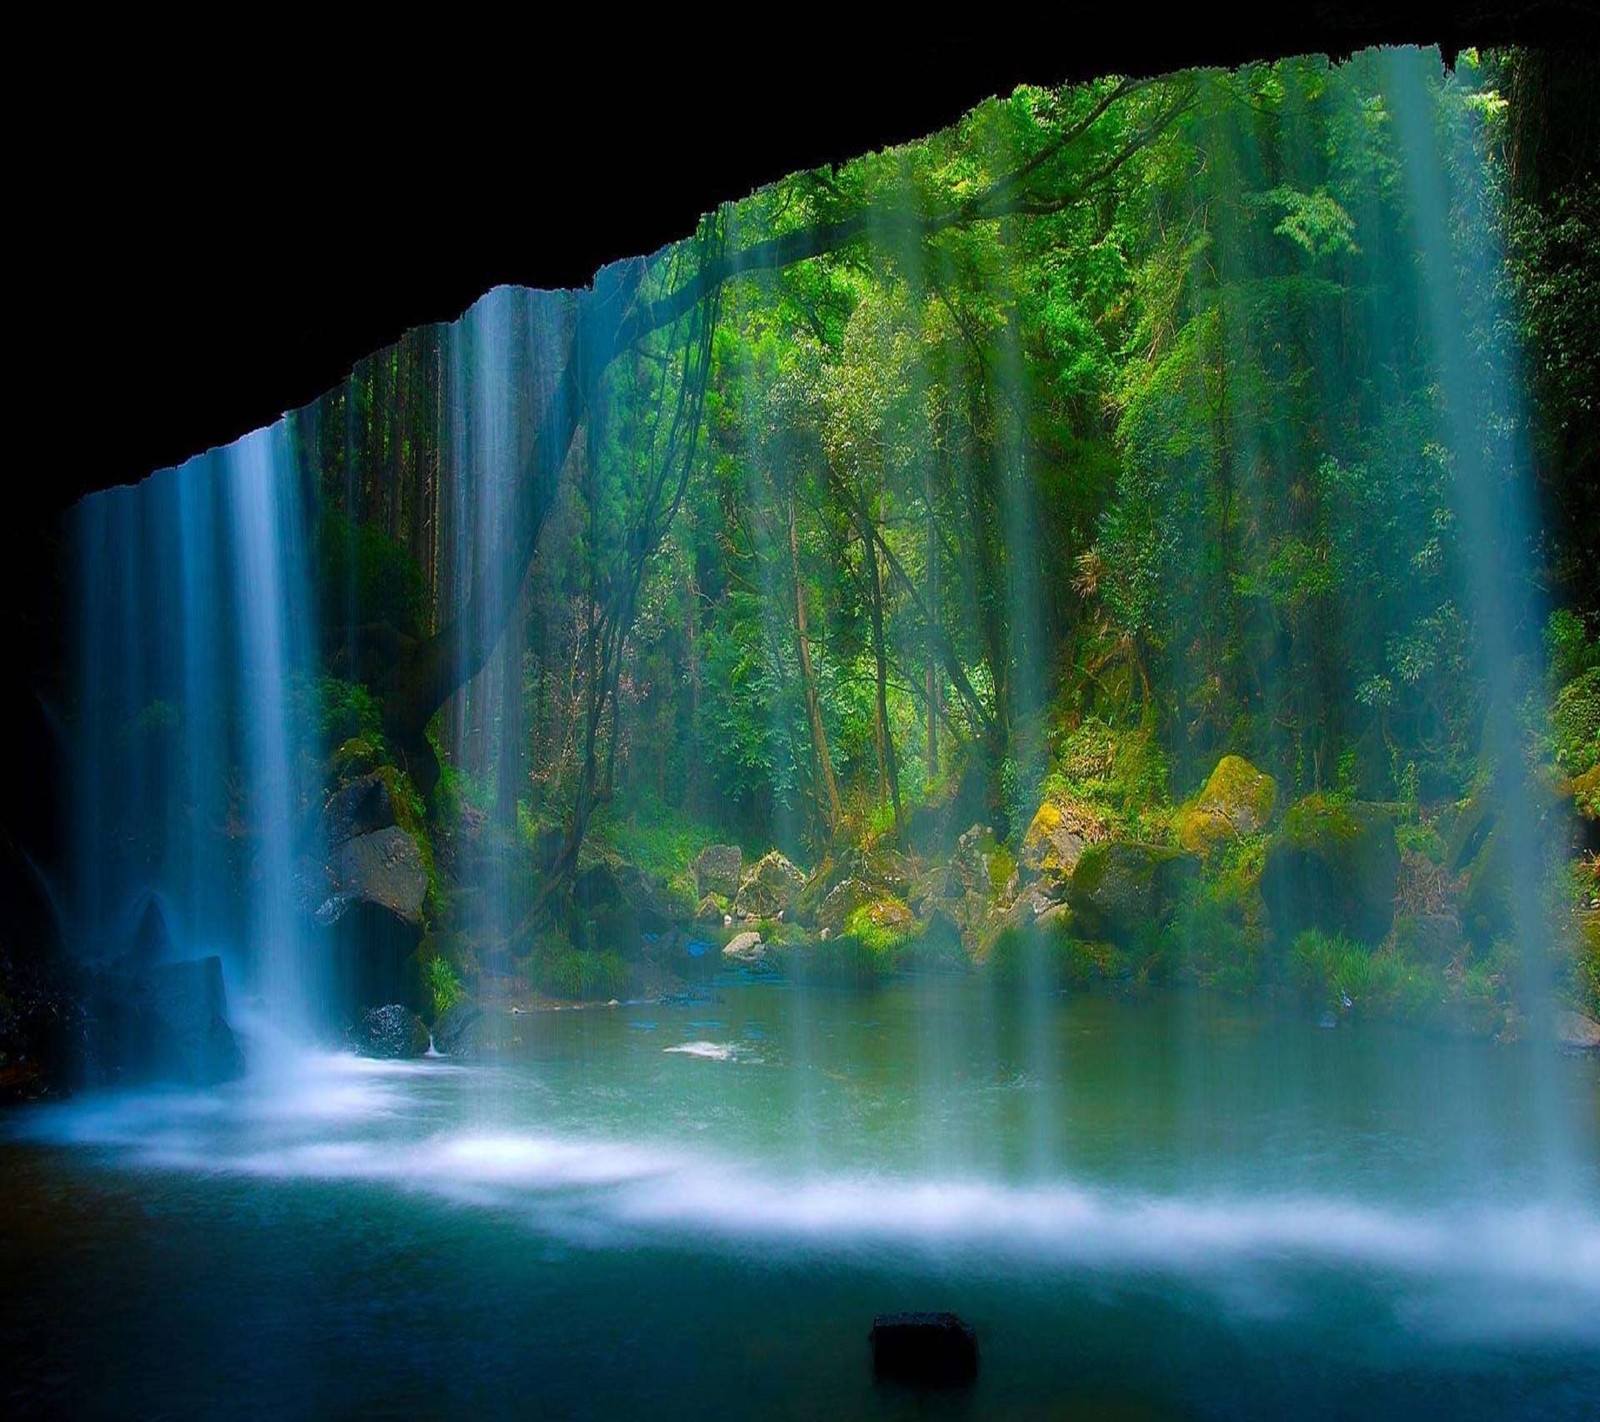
1166	1209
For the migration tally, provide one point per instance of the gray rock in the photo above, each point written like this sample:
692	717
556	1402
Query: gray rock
362	807
383	868
772	884
745	947
1578	1031
843	899
717	870
455	1033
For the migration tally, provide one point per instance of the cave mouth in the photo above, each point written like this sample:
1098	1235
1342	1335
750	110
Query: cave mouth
1010	724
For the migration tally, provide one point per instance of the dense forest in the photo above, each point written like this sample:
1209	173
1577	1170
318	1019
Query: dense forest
1145	530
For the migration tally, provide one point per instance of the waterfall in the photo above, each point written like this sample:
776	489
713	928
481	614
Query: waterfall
196	735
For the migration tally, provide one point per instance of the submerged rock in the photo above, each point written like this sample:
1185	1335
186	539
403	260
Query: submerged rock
771	886
1334	867
1122	890
390	1032
1237	800
924	1349
717	870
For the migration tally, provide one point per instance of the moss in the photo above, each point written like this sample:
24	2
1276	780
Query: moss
1237	800
580	975
1320	819
1002	865
1586	965
1049	955
882	926
354	757
1575	723
1586	792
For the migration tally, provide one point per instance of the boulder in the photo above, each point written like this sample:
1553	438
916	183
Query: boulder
1120	890
769	888
384	869
362	807
1334	867
717	870
1577	1031
455	1033
1237	800
924	1349
165	1023
713	909
963	890
390	1032
657	902
1061	829
843	900
745	947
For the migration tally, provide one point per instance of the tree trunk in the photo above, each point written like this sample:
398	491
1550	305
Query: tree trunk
819	735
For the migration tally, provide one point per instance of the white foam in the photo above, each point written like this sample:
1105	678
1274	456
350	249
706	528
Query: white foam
710	1051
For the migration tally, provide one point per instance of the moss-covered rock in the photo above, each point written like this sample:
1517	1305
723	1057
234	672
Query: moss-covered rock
1332	866
1575	723
717	869
843	899
1121	892
1061	829
883	925
770	887
1237	801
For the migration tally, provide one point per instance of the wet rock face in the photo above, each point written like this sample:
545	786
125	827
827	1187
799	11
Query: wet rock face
390	1032
364	805
164	1023
1332	867
771	887
717	869
384	869
1120	891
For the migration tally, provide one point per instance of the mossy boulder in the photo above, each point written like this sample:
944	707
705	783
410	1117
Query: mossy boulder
883	925
1586	793
713	909
1332	866
717	869
1061	829
770	887
843	899
1120	891
1575	723
1238	800
962	890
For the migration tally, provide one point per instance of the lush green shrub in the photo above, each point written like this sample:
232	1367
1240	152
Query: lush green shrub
443	985
1575	723
358	563
581	975
1328	969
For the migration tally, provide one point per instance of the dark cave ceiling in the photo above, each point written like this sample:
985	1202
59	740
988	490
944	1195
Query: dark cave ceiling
212	251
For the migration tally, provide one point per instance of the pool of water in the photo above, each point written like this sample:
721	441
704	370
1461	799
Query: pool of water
1172	1209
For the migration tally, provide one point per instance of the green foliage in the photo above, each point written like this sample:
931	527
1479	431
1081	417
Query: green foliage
579	975
1575	723
444	986
1569	646
372	577
346	711
1327	969
882	927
